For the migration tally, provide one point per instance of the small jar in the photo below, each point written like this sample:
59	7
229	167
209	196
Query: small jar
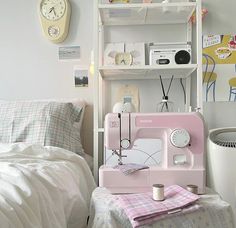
192	188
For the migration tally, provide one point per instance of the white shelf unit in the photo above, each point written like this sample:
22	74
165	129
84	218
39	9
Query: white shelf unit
141	14
149	13
146	72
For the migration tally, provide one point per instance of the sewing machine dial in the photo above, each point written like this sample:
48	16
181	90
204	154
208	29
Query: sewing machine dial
180	138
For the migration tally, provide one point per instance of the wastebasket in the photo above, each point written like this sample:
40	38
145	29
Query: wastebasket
221	163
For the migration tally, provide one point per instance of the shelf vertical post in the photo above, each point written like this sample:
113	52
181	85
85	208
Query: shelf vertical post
95	92
199	54
101	81
188	79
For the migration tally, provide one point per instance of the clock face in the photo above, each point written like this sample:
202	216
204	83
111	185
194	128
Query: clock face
123	59
53	9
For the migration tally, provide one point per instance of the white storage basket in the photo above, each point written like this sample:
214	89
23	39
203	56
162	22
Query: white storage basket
221	163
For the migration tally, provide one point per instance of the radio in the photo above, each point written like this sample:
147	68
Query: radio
169	54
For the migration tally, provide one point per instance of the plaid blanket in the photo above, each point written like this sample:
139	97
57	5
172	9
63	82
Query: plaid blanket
141	209
130	168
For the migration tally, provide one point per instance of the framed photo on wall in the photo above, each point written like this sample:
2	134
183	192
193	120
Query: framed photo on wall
80	76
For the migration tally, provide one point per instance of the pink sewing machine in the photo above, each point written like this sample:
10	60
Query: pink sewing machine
183	158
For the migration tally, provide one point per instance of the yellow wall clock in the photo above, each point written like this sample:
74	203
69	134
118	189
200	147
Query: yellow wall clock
55	19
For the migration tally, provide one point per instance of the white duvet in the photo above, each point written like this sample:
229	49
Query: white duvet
43	187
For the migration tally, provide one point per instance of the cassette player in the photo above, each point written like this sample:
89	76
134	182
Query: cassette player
169	54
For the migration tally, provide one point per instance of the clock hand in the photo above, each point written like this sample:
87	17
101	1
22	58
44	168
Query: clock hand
54	11
51	10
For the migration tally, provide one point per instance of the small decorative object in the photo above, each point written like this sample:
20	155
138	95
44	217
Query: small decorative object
192	188
232	43
193	17
128	94
120	107
223	52
124	54
158	192
111	49
128	107
55	19
123	58
165	105
137	50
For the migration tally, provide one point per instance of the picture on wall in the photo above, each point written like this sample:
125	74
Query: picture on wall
80	76
69	53
219	68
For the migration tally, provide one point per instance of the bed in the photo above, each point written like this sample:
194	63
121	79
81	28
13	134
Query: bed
45	180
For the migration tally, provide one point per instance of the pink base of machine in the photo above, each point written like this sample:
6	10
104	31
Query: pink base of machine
142	181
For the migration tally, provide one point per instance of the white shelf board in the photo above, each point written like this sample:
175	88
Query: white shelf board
146	13
146	72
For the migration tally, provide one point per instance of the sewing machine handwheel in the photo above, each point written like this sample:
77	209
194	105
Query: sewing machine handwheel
125	143
180	138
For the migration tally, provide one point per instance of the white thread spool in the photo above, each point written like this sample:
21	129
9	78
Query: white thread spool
158	192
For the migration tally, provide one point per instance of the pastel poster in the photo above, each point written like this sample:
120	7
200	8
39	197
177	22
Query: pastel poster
219	68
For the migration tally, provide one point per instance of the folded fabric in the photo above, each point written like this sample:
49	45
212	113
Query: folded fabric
141	209
130	168
183	211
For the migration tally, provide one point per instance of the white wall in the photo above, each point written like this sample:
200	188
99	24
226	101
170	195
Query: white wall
29	66
220	20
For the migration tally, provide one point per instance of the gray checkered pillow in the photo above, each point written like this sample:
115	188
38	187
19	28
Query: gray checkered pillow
41	122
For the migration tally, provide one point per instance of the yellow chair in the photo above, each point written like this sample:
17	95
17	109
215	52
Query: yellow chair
209	77
232	90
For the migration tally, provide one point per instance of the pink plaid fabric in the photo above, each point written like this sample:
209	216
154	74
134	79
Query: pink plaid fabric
141	209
